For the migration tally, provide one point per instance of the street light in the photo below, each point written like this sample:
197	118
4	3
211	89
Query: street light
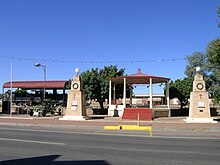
44	68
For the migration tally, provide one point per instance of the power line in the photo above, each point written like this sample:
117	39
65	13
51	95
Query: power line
93	62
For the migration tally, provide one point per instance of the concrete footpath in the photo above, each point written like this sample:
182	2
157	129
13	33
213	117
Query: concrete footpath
172	124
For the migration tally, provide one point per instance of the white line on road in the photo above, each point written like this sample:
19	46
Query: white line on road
104	133
142	150
31	141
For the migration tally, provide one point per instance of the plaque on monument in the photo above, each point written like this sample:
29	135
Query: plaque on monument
201	104
74	103
74	108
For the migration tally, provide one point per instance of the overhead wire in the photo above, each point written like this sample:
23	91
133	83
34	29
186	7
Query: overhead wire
93	62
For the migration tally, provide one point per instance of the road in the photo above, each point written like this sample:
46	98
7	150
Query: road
28	145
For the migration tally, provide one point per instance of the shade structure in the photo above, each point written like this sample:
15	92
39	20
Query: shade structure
57	84
139	78
129	80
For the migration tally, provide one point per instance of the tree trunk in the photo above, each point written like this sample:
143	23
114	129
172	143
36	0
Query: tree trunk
101	105
181	105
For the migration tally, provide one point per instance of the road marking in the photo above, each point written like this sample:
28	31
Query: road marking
31	141
48	131
103	133
100	132
142	150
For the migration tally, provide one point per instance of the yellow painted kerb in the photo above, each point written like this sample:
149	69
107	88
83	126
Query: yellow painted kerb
130	127
112	127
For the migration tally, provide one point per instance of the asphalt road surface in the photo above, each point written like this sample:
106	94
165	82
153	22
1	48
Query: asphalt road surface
56	147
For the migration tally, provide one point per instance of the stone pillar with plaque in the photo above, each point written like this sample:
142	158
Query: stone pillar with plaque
76	109
199	110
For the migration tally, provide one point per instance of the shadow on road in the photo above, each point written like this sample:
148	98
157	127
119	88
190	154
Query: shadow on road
49	160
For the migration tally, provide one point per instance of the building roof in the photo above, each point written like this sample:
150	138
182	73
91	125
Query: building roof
139	78
59	84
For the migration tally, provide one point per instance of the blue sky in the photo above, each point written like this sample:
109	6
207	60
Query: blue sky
95	31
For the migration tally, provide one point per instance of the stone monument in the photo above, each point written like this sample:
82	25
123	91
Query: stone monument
76	109
199	110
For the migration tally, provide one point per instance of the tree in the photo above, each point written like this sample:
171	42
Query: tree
193	61
209	61
20	92
181	89
213	65
96	82
213	52
68	84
